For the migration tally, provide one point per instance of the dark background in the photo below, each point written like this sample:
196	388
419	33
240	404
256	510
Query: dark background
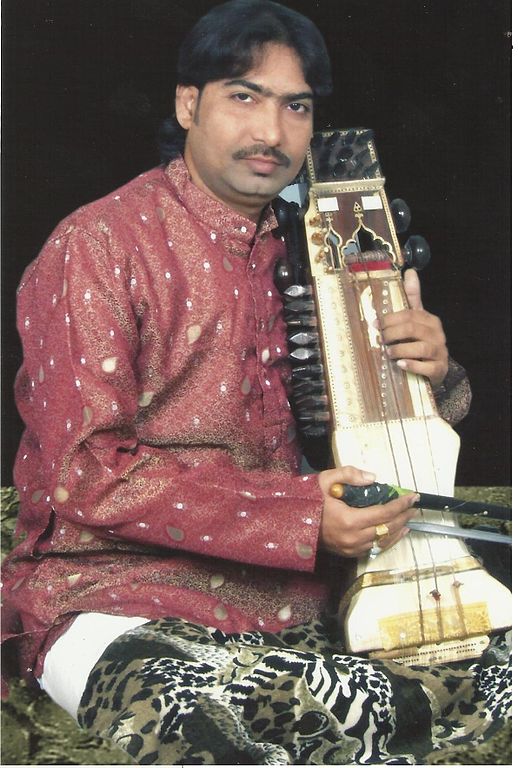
87	82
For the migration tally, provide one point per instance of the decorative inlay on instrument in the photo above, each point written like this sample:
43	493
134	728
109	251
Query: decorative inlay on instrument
426	598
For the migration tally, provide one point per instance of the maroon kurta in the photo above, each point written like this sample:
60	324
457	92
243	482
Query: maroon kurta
158	472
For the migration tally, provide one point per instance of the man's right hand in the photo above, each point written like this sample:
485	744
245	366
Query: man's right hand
350	531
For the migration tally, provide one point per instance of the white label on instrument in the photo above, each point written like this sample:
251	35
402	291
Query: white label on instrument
371	202
326	204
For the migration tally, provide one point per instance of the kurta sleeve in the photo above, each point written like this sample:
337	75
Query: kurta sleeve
79	392
453	397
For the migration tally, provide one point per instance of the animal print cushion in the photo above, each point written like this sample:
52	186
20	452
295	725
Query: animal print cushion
172	692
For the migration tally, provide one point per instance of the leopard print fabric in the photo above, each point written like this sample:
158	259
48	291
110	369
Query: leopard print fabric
172	692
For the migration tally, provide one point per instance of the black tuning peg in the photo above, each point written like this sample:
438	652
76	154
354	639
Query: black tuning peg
304	337
305	372
283	274
300	305
296	291
281	208
416	252
309	387
302	354
401	215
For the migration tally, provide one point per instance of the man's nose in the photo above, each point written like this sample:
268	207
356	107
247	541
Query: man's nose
268	126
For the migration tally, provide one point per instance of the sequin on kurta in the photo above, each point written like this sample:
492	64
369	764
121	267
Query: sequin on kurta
158	471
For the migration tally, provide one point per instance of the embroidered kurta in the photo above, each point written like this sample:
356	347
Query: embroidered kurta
159	470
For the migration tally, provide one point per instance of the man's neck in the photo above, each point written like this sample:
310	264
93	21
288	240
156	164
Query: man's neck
252	209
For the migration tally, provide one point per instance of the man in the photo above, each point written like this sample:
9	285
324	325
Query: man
172	587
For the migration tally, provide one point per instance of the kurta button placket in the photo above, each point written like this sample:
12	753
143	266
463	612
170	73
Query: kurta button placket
271	384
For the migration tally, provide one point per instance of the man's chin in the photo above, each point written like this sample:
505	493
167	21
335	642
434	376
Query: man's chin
263	187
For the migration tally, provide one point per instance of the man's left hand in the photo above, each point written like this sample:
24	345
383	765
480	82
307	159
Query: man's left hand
414	337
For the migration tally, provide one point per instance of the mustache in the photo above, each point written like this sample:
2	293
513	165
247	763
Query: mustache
260	149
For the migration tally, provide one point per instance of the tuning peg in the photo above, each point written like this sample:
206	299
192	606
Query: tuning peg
305	353
309	387
344	154
295	291
401	215
416	252
304	337
311	401
314	430
340	170
314	416
360	157
283	274
304	372
318	237
300	305
282	214
302	321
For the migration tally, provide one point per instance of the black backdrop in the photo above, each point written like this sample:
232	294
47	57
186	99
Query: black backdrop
86	83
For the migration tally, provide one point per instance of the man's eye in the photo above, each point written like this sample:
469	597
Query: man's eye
297	106
244	97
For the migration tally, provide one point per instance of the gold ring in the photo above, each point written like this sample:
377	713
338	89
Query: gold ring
381	530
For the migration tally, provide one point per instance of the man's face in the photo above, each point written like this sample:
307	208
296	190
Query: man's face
247	137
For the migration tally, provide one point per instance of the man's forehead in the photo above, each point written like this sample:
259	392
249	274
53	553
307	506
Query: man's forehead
276	71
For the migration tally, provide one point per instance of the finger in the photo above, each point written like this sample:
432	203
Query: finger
412	289
413	324
390	528
385	544
372	522
396	511
433	370
349	474
385	535
415	350
385	524
344	475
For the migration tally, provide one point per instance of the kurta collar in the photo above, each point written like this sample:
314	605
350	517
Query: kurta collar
211	213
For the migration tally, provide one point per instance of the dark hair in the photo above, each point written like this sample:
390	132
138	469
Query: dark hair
224	42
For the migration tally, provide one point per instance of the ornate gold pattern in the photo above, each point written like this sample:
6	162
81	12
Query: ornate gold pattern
384	244
381	578
432	626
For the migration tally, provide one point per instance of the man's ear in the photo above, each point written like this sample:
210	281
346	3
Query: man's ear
186	103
